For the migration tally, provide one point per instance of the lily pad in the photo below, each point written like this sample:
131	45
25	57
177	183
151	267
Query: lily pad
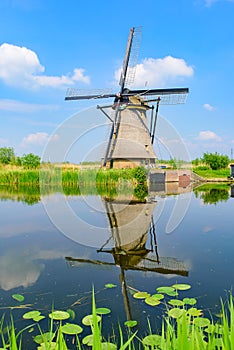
157	296
152	340
88	340
175	312
88	320
31	314
141	295
71	313
18	297
176	302
152	301
110	285
130	323
193	311
181	286
167	290
43	338
38	318
59	315
71	328
201	322
103	310
190	301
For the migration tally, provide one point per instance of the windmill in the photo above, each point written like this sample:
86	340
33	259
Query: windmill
131	137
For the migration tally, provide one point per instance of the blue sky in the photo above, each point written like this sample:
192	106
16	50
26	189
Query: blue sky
48	46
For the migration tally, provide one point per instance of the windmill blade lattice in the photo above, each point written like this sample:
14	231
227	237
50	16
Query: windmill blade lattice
133	59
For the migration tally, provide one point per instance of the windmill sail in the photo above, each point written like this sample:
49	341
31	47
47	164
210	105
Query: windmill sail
130	141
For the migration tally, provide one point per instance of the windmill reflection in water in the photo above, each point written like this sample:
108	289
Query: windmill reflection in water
132	229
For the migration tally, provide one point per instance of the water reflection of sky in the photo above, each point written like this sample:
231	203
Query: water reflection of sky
33	251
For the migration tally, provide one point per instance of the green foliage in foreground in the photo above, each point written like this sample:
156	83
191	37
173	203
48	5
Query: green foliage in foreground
183	327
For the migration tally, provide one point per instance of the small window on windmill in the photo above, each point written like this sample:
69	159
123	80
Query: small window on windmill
147	148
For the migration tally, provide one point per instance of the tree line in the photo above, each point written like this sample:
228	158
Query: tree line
215	161
8	156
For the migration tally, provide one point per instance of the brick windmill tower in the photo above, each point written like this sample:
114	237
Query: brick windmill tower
131	138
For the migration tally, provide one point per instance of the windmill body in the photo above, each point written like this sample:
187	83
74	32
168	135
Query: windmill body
131	138
130	142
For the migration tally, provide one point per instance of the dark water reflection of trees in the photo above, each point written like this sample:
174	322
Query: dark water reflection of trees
213	193
209	193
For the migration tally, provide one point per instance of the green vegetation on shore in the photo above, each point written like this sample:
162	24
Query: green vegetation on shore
208	173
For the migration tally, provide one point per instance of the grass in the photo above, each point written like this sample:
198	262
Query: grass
208	173
183	327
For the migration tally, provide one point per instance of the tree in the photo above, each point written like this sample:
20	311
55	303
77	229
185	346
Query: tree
215	161
30	161
7	155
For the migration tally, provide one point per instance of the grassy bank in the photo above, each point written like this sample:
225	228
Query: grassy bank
207	173
52	176
29	185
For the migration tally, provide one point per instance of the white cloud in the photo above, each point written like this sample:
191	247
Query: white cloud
208	107
208	136
22	269
17	106
38	139
160	72
20	67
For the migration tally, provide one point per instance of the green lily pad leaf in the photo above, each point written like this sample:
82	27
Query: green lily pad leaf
176	302
152	301
152	340
165	290
190	301
31	314
38	318
130	323
71	313
59	315
110	285
141	295
157	296
175	312
181	286
103	310
88	320
172	294
44	346
71	328
201	322
18	297
43	338
88	340
108	346
193	311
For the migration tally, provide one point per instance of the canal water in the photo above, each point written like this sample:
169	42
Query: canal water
54	248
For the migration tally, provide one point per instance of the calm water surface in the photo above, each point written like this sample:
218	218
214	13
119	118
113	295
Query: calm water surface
120	242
